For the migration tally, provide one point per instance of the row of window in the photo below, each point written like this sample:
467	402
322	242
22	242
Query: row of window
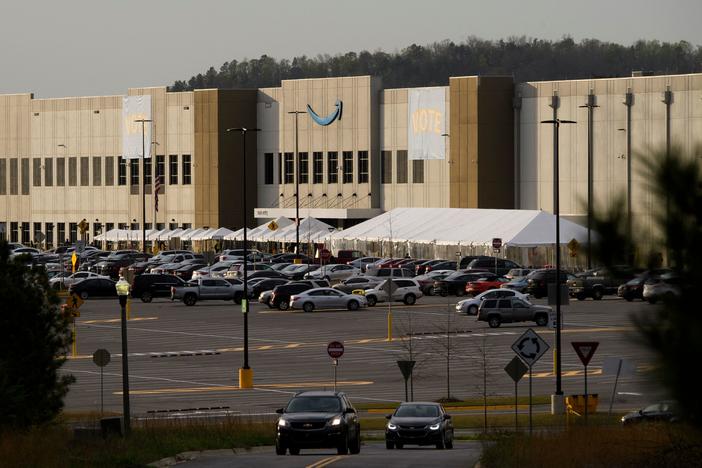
79	171
56	234
286	168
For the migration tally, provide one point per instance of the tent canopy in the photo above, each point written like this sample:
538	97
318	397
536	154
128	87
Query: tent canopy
310	229
465	226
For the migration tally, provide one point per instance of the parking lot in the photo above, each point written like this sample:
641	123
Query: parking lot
187	358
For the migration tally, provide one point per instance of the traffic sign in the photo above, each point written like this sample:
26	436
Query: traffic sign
74	301
516	369
101	357
406	368
530	347
585	350
74	259
335	349
80	246
389	287
325	254
496	243
39	236
273	226
244	303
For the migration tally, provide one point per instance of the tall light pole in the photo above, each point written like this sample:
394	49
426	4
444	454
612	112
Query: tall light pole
556	211
245	373
590	105
628	102
143	182
297	188
122	287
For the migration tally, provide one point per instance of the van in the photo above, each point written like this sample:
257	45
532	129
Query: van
150	285
346	256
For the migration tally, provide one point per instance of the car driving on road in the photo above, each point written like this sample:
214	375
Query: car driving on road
419	423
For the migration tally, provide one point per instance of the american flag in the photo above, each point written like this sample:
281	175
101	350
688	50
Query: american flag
157	187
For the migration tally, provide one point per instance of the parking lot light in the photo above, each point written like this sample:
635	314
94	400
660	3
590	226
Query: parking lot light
122	288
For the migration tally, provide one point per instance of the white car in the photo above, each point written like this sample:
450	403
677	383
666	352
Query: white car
363	262
333	272
407	291
326	298
470	306
66	281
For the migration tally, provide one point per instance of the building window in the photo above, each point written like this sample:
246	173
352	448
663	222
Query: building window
109	170
268	168
386	167
37	232
72	232
173	169
48	172
109	227
418	171
280	168
121	171
135	227
60	172
161	171
14	232
134	172
348	167
84	171
363	167
401	162
317	167
25	226
332	167
25	178
289	168
3	177
49	234
60	233
36	172
148	173
187	174
72	172
14	177
304	168
97	171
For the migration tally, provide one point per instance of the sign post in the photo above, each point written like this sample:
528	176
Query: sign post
621	368
73	303
406	369
496	247
335	350
389	287
585	350
101	358
516	370
529	348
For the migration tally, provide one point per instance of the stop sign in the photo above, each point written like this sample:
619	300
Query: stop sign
497	243
335	349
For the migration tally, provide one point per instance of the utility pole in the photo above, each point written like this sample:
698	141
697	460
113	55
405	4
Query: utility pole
143	182
590	105
297	187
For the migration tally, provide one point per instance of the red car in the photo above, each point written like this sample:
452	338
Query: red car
485	283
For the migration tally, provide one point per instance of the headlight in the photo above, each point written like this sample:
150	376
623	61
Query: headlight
435	427
282	422
336	421
391	426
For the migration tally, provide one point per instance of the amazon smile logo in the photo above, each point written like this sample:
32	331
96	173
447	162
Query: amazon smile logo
324	121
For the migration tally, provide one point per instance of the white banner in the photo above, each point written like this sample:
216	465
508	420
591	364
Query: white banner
426	123
136	108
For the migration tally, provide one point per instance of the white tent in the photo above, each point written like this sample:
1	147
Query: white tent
261	232
203	235
310	229
465	226
192	233
212	234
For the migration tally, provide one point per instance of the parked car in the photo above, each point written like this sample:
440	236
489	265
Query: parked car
665	411
538	281
470	306
236	270
318	420
333	272
422	267
498	266
419	423
60	281
445	265
633	289
281	294
516	273
326	298
387	272
219	269
519	284
484	283
363	262
407	291
290	258
426	281
185	271
357	282
347	256
508	310
279	266
664	287
117	260
266	284
207	289
597	283
455	283
94	287
150	285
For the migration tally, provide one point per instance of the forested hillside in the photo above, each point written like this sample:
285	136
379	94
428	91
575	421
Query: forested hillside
527	59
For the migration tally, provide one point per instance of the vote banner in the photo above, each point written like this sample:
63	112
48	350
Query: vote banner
136	108
426	123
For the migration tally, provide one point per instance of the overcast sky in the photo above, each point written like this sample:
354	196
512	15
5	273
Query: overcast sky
97	47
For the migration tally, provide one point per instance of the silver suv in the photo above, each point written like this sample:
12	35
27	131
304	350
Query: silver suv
508	310
406	290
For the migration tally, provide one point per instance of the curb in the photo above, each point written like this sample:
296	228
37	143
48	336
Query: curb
189	456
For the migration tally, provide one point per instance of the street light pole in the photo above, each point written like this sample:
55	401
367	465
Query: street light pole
297	187
590	105
143	182
556	211
122	287
245	373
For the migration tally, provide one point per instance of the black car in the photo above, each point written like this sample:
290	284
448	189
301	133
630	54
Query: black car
421	268
633	289
498	266
318	420
266	285
356	282
445	265
282	293
186	270
290	258
666	411
94	287
455	283
265	274
538	281
150	285
419	423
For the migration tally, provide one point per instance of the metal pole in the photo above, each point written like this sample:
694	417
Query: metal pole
125	368
628	102
585	394
531	426
143	182
102	406
614	390
335	364
590	105
246	260
516	406
406	394
297	190
667	100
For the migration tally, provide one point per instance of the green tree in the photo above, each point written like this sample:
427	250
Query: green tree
674	329
33	339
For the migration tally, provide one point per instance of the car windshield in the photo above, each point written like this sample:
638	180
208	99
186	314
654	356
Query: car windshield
417	411
314	405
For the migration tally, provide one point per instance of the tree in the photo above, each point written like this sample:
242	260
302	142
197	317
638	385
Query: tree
674	330
33	339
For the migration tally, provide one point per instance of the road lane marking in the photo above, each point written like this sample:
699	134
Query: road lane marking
117	320
221	388
325	461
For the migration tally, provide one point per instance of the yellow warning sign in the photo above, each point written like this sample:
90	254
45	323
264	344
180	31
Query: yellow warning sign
273	226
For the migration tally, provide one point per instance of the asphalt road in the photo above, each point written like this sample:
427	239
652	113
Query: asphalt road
373	454
183	359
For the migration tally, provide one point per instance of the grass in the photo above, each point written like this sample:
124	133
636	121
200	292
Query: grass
659	445
150	441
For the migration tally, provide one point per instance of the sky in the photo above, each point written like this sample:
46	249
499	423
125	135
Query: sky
57	48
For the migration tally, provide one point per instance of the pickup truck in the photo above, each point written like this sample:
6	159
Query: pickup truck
203	289
597	283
